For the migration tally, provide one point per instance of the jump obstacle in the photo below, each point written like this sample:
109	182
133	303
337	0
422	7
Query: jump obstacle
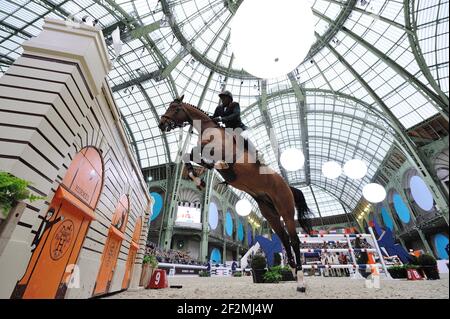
353	267
338	238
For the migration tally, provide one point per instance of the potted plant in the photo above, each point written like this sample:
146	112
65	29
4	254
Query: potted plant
204	273
398	271
12	191
287	274
272	276
413	260
149	264
258	266
428	265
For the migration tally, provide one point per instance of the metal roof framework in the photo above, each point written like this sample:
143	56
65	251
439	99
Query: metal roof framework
377	69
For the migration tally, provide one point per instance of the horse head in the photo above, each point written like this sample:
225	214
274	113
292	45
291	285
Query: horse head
175	116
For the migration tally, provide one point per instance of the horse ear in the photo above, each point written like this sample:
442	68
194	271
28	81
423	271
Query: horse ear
182	98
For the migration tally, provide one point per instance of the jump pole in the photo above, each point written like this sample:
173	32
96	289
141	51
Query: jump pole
375	242
356	274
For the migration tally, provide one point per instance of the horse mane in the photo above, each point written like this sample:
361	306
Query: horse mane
197	108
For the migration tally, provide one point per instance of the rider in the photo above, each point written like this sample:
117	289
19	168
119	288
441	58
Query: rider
229	113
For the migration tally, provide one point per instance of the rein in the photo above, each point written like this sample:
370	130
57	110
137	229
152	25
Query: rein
173	124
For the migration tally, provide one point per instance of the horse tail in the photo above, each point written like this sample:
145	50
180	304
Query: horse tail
303	211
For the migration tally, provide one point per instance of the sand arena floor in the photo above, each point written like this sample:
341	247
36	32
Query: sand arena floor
317	288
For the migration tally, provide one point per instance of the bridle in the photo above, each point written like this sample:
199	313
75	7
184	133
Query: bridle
172	123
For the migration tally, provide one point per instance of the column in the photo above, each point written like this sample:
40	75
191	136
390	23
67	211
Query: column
224	253
173	202
205	216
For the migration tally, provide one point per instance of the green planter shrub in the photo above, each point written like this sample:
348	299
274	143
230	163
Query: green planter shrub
428	265
427	260
204	273
258	262
272	276
13	190
258	265
149	264
276	269
398	272
285	273
413	260
151	260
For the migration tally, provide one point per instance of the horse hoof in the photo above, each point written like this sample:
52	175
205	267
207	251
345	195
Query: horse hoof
301	289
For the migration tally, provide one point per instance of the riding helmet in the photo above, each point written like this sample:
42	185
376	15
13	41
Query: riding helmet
227	93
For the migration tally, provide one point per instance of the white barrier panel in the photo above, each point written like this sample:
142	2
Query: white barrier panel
348	237
221	271
351	236
361	266
320	241
339	250
182	269
183	266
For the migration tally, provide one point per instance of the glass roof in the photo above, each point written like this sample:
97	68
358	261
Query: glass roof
371	56
327	204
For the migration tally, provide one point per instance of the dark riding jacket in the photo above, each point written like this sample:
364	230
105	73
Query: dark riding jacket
231	117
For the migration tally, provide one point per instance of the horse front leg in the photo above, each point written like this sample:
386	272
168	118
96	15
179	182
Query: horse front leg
197	158
301	287
191	171
193	176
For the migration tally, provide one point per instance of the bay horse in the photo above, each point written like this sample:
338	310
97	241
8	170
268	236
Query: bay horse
275	198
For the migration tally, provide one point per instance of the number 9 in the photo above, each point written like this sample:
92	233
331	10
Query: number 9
158	278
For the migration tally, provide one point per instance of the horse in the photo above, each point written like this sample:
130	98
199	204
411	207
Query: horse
275	198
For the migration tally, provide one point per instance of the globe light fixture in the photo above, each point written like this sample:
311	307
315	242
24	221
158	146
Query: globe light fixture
271	38
243	207
355	169
292	159
331	170
374	193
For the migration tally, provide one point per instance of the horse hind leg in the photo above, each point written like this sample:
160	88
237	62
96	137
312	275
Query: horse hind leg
284	237
295	242
269	213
